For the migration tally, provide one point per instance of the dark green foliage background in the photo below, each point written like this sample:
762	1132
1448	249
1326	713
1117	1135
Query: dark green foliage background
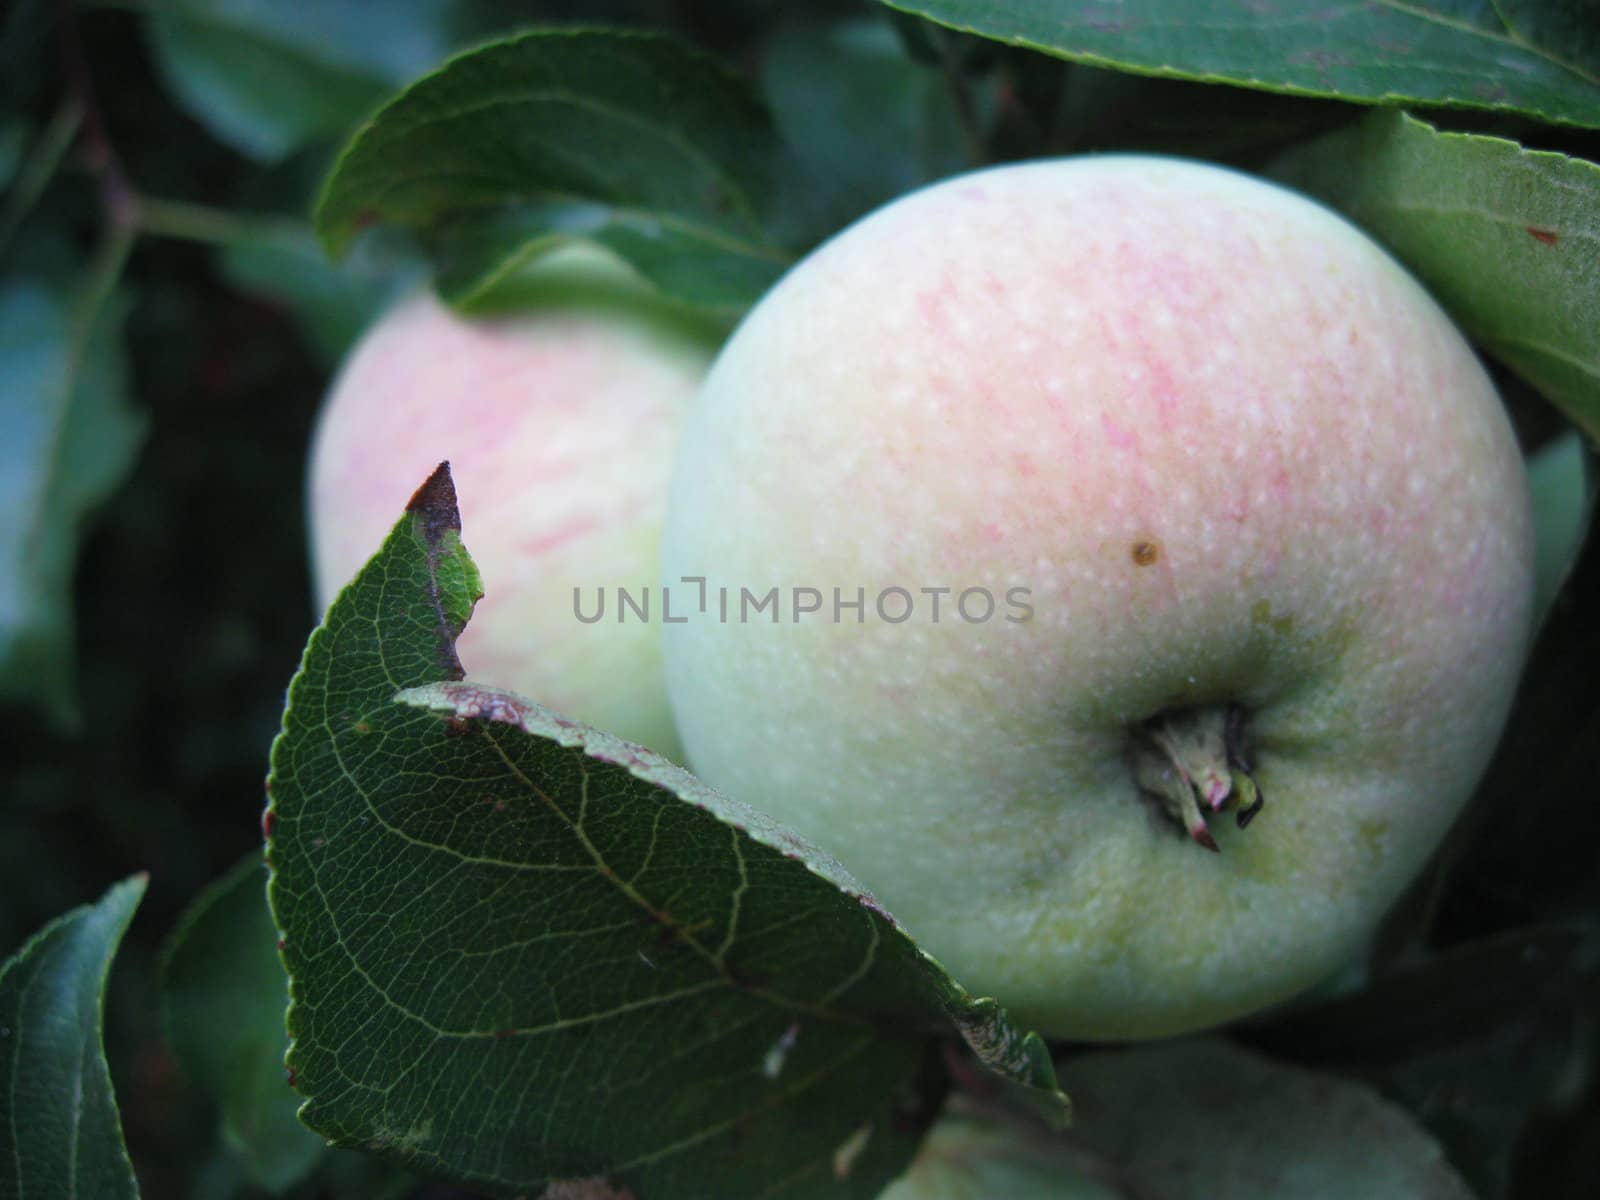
192	602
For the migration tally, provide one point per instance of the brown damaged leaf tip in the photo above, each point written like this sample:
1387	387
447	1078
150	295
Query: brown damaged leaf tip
435	501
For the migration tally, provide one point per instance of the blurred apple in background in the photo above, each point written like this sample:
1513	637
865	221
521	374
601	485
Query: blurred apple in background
558	408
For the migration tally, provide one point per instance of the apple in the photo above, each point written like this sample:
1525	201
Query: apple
978	1153
1269	1129
1119	510
559	415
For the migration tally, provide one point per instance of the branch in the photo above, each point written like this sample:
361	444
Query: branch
118	198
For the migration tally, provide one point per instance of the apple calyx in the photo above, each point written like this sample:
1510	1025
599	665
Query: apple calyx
1193	761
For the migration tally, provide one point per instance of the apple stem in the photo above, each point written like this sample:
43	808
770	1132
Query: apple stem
1193	761
1250	799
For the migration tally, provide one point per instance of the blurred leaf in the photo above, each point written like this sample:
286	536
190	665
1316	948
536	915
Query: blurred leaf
1528	57
351	1173
26	52
1531	843
1449	999
636	141
268	77
223	994
978	1154
59	1132
38	157
1507	239
1479	1100
69	441
1211	1121
522	950
862	123
1054	107
1560	1159
333	301
13	137
1476	1040
1563	508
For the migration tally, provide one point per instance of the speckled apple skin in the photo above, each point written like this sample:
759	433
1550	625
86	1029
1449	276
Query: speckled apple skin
559	424
1236	454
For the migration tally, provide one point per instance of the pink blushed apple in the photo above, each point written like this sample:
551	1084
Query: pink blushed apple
559	420
1272	535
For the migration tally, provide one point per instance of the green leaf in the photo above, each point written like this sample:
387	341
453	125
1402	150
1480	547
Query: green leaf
861	122
1500	1025
1499	1087
1535	59
59	1133
39	157
1507	239
351	1173
14	134
1205	1120
1053	107
27	33
335	302
522	951
1444	1001
1563	509
267	77
223	994
69	440
636	141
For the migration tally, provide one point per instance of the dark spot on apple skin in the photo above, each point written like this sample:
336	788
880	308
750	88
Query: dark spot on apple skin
1145	553
1544	236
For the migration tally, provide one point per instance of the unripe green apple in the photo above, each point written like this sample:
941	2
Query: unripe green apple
973	1154
1271	535
559	419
